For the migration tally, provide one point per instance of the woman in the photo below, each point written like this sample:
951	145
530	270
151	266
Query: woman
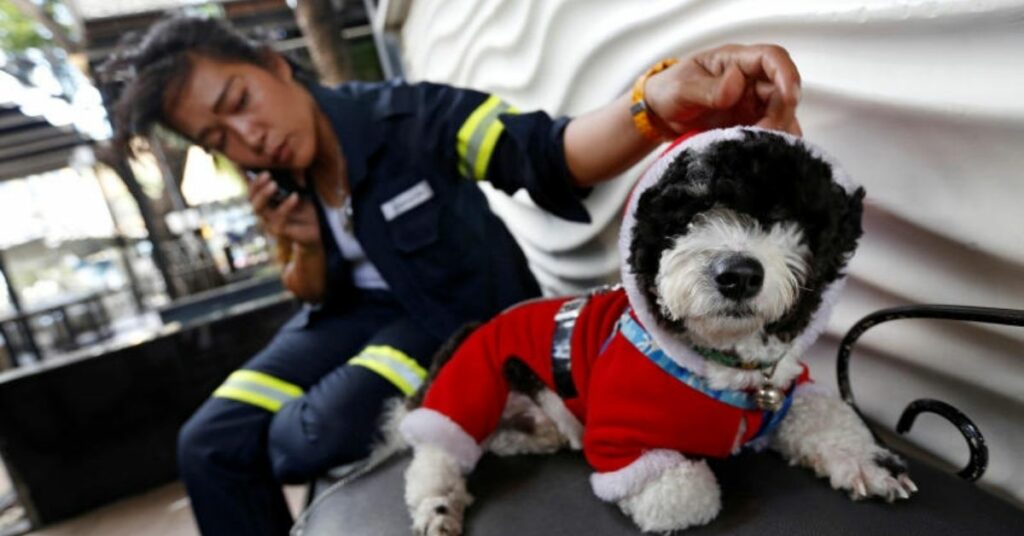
394	247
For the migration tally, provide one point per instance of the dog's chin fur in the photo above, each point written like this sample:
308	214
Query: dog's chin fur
720	332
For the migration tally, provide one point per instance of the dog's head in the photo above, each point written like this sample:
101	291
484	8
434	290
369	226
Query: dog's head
738	235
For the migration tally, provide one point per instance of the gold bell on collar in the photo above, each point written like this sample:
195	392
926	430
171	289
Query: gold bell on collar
768	397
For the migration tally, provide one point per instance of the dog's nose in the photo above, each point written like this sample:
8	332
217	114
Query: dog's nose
738	277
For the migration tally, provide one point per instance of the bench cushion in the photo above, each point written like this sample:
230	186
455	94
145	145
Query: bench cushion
761	495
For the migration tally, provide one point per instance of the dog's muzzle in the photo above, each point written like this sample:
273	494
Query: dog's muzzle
738	277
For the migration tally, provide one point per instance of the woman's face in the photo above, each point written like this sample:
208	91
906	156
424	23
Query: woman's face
259	117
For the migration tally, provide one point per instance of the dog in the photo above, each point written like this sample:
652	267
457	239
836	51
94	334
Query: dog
734	245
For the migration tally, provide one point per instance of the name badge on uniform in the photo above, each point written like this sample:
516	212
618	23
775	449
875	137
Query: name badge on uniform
404	202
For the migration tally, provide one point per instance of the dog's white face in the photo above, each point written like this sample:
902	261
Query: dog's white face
734	244
729	275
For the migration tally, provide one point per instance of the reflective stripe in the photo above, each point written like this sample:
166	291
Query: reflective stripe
258	389
394	365
561	346
478	137
268	381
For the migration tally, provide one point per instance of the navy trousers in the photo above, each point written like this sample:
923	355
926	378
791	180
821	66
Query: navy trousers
310	401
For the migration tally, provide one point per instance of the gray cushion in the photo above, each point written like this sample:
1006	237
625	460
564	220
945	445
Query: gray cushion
761	495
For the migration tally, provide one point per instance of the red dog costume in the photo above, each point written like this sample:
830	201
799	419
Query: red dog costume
637	388
629	403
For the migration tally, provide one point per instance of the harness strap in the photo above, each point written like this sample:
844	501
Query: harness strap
561	346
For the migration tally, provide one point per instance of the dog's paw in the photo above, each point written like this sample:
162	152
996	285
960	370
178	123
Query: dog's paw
878	474
437	516
683	496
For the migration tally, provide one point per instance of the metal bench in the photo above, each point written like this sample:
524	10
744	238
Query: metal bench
762	495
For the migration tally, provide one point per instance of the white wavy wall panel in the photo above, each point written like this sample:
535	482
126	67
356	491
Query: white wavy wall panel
922	101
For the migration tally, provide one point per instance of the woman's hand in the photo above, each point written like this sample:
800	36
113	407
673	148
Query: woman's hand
293	220
295	223
727	86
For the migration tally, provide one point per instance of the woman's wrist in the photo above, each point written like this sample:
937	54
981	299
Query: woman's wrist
307	250
646	119
304	274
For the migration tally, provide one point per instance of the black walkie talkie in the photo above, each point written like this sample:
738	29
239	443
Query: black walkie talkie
286	184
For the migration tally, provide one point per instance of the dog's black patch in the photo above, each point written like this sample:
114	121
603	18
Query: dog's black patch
441	357
521	377
519	422
892	463
767	178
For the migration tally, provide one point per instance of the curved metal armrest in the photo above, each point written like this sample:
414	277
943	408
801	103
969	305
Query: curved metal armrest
989	315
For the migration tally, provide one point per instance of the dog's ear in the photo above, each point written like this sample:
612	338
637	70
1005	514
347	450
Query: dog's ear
662	214
833	246
849	209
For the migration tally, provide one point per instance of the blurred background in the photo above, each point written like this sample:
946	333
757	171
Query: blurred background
130	288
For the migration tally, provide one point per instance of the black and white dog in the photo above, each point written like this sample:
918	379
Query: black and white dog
734	245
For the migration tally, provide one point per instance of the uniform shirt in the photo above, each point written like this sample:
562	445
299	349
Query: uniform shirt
414	154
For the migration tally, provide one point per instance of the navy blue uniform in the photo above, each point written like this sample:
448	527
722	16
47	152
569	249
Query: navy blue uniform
311	400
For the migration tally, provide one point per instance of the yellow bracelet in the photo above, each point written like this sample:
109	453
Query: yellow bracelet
639	110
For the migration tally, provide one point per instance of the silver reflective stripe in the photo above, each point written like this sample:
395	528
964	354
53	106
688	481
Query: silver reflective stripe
262	390
258	389
394	365
561	346
476	141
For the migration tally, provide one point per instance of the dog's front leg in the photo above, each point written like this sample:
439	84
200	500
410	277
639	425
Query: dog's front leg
662	491
824	433
435	492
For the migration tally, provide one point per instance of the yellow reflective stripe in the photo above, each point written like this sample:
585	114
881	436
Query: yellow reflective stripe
387	373
399	356
258	389
266	380
242	395
478	137
483	157
394	365
469	127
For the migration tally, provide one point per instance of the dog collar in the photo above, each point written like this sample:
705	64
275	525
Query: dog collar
730	360
644	343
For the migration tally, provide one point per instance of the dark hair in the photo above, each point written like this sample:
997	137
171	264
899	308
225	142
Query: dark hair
144	72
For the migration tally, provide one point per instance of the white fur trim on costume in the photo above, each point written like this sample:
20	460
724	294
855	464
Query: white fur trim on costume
676	349
615	485
424	426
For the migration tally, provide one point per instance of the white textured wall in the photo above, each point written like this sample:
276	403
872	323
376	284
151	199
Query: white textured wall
923	102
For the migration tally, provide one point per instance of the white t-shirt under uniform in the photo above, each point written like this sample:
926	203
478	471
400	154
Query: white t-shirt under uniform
364	273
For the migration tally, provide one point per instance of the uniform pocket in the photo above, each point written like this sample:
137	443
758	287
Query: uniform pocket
417	228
